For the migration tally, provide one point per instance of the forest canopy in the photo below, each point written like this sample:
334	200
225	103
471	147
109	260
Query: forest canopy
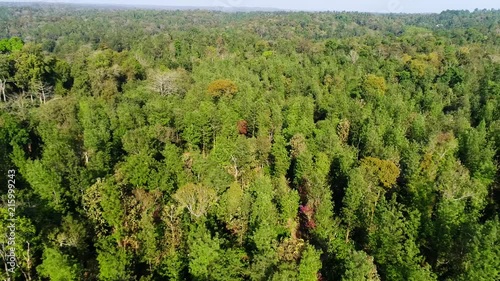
202	145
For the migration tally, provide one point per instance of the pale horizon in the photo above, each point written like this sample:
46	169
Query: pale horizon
377	6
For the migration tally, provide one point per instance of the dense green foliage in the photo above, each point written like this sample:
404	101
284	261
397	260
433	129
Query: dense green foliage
195	145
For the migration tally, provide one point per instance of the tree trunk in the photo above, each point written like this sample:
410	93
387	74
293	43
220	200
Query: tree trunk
27	274
373	208
31	96
2	89
5	259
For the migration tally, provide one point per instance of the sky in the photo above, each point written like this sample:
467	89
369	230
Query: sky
381	6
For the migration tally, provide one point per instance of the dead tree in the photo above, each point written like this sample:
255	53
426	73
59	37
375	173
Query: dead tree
169	82
165	83
42	90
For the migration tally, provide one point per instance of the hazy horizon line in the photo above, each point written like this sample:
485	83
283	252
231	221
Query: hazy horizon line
212	7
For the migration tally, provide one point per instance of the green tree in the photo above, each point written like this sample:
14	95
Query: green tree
310	264
58	266
114	261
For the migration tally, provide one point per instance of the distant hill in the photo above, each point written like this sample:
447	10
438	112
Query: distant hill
143	7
